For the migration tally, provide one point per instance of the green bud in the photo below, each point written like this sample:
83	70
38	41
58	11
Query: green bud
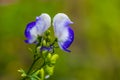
49	56
48	44
54	58
49	69
48	32
44	53
44	43
23	72
38	49
48	38
23	75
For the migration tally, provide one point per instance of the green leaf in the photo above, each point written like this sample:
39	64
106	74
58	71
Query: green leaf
42	73
39	74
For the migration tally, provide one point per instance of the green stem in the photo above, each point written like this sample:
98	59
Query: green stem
40	67
35	60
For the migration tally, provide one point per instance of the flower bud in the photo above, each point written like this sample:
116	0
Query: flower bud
48	38
23	72
44	43
48	32
48	57
38	49
47	44
44	53
54	58
49	69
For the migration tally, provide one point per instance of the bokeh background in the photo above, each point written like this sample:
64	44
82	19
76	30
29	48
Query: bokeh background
95	51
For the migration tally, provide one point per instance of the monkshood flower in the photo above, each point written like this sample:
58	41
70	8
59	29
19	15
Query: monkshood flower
44	50
37	28
63	31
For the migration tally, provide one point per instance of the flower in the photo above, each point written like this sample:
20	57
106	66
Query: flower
63	31
37	28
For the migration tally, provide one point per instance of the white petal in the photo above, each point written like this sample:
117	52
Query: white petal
43	22
60	28
63	32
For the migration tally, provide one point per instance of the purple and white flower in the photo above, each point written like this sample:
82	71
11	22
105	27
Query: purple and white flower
63	31
37	28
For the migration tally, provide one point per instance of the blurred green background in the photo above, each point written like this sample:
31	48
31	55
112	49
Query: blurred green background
95	51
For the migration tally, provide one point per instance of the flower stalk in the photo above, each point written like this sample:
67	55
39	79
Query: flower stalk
37	33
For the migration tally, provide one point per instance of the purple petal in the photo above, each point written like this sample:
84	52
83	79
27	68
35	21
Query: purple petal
28	28
30	32
67	23
65	44
37	28
46	48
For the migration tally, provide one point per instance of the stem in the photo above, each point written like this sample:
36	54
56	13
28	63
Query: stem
40	67
35	60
